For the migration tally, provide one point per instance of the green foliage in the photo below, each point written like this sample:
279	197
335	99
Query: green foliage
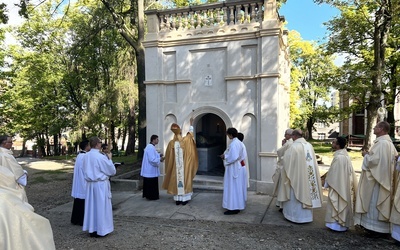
367	33
312	74
73	72
3	13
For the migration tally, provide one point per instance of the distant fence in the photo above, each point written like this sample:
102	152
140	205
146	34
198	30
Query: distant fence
356	140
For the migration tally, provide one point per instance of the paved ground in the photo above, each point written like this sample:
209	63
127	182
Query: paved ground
204	206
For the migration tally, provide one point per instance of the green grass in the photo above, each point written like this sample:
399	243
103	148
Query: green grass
127	160
324	148
130	159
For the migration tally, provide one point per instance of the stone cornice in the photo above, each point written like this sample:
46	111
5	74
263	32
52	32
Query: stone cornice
267	154
264	75
207	36
155	82
227	78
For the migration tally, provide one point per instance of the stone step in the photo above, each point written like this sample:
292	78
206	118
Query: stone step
210	183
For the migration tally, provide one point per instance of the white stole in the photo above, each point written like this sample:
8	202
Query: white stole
312	178
180	174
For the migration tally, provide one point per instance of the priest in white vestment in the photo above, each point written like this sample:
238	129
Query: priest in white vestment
151	169
342	182
21	227
375	187
286	143
235	185
301	182
8	160
97	169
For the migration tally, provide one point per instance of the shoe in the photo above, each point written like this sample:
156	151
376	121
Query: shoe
184	203
178	203
94	234
230	212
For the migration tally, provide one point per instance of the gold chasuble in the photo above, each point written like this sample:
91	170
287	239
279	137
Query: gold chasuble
181	163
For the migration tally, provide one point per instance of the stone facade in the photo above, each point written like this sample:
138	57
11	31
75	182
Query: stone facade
226	65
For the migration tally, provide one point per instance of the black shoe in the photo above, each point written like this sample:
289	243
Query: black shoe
230	212
178	202
94	234
184	203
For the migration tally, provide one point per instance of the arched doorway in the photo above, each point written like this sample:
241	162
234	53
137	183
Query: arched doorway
211	142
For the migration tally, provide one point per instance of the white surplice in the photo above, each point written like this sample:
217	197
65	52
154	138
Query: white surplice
78	180
235	178
97	169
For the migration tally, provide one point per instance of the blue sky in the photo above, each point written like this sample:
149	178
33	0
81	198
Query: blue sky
307	18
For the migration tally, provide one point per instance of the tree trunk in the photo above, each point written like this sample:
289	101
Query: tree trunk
310	123
23	148
129	36
381	31
140	60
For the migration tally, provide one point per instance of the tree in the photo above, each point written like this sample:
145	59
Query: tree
311	74
73	73
362	32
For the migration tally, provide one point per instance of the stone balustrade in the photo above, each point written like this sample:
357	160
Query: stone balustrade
221	17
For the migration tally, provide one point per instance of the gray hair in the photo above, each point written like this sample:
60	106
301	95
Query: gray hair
289	131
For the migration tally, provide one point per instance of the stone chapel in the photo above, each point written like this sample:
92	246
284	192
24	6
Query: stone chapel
225	64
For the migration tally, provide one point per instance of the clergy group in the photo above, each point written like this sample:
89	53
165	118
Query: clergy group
371	202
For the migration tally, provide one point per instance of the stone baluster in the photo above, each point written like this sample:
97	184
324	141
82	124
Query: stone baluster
185	19
253	13
198	20
179	19
225	17
260	13
246	13
231	16
211	19
162	23
238	14
191	13
173	21
168	23
205	19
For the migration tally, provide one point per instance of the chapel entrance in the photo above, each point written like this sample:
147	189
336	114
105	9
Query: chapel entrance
211	142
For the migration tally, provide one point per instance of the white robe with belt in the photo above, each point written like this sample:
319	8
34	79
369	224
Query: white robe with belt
97	169
235	178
